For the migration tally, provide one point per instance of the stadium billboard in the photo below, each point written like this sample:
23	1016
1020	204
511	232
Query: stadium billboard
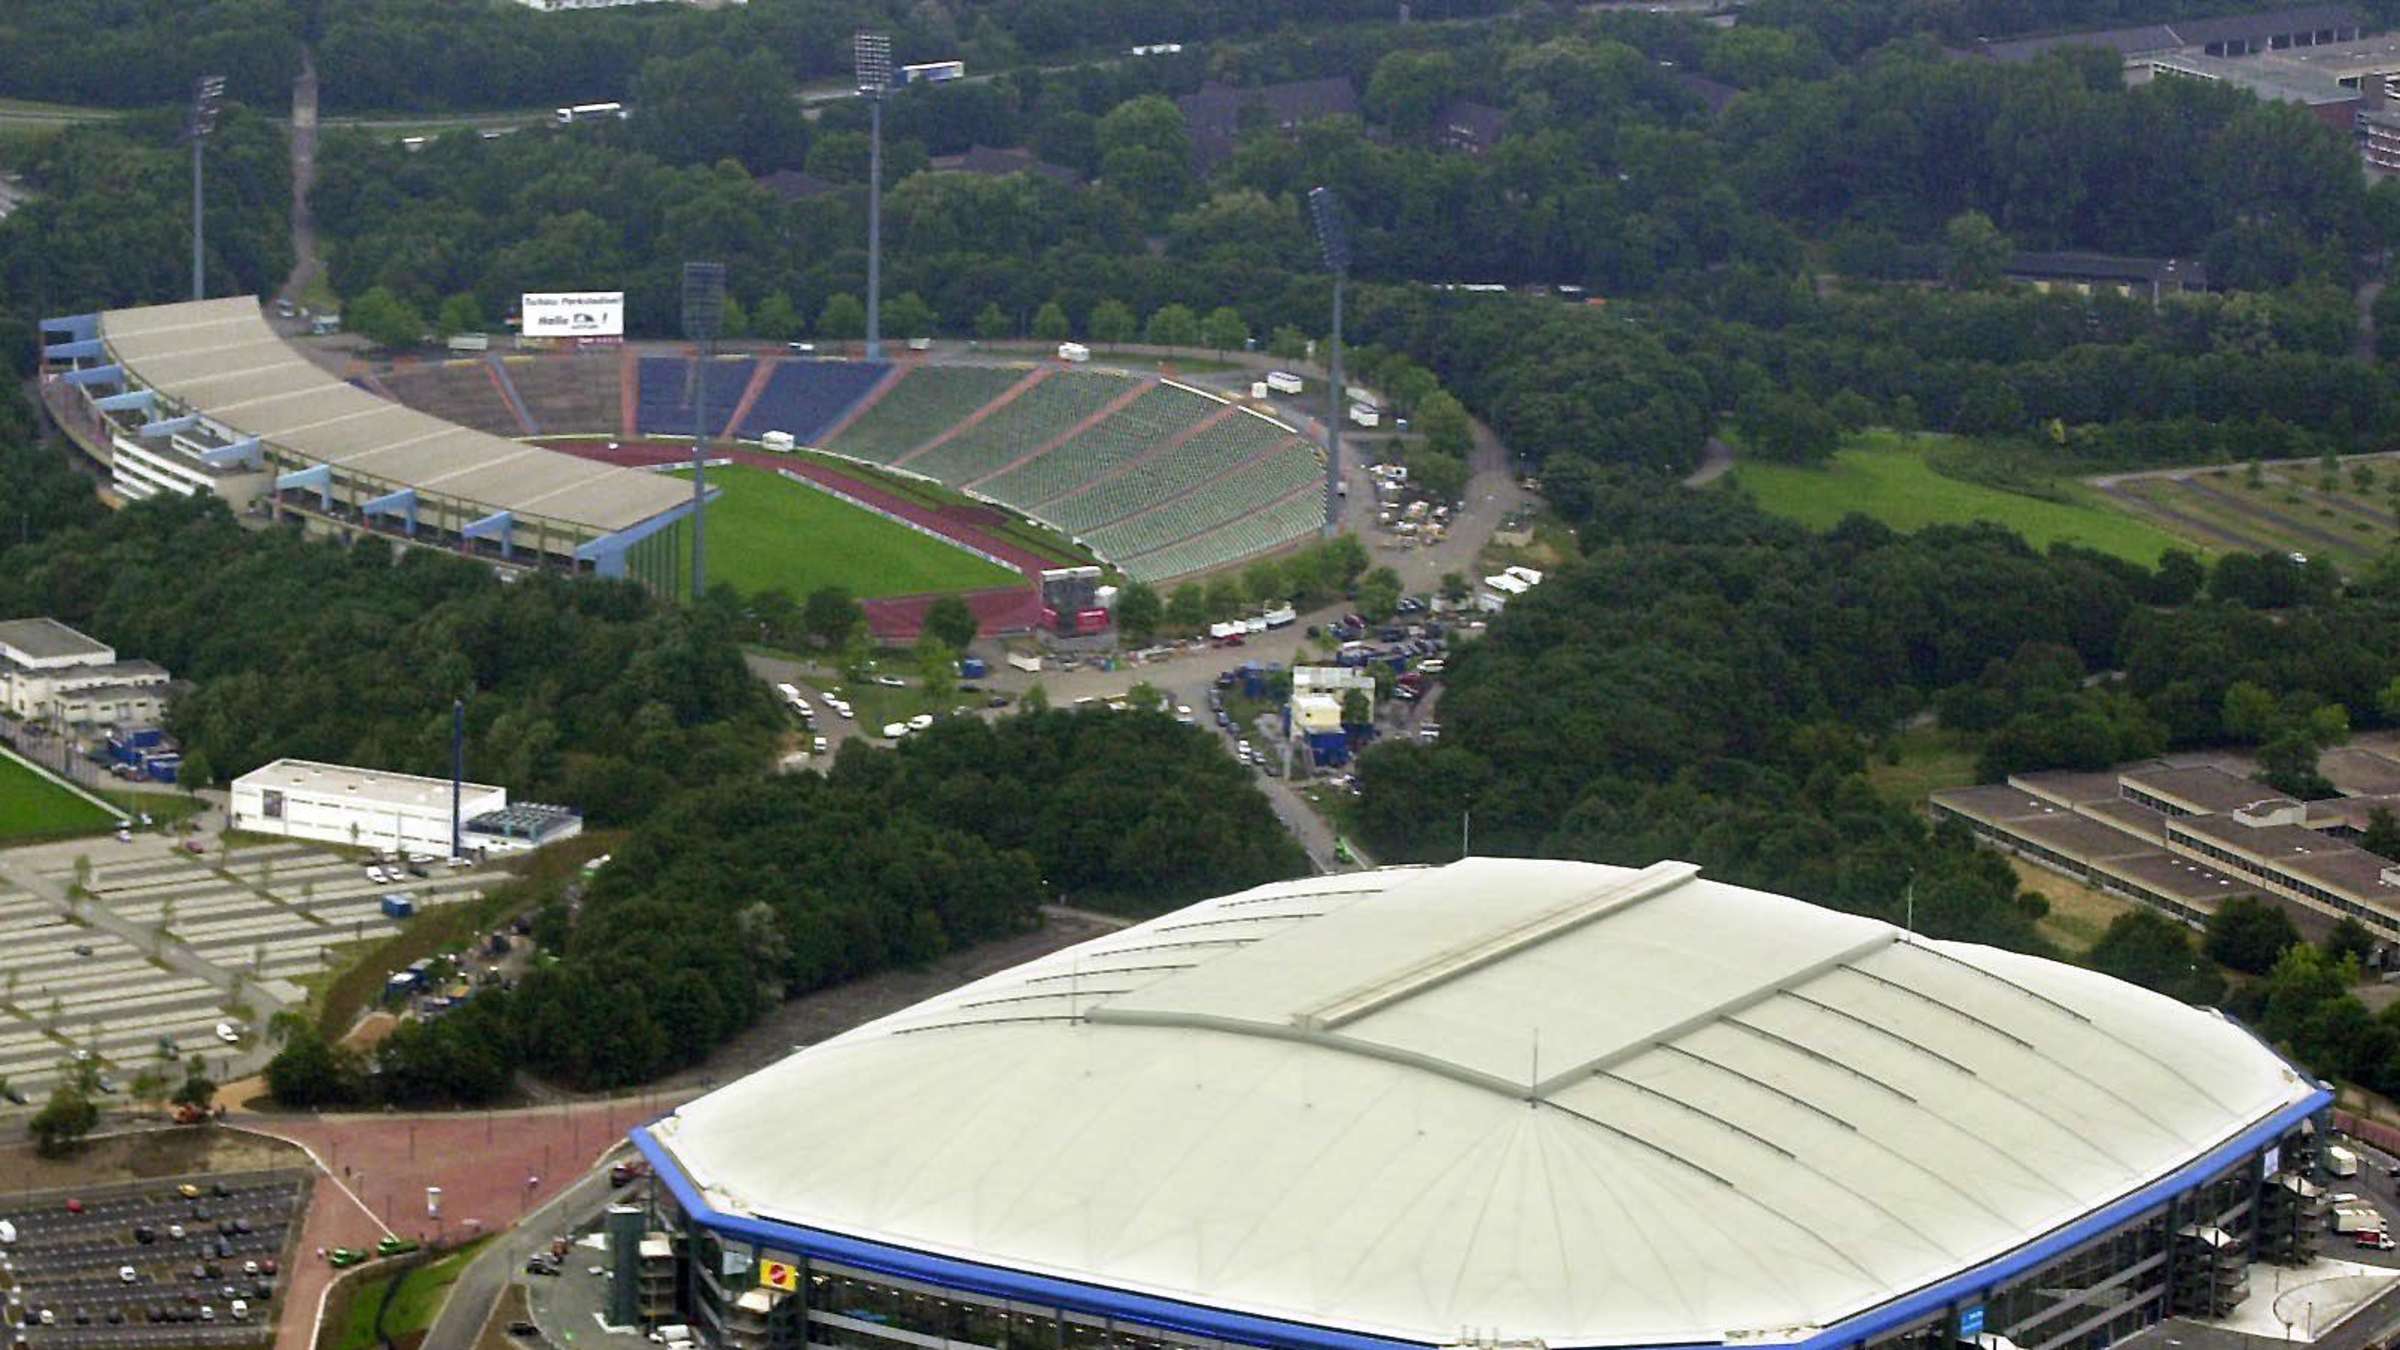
571	314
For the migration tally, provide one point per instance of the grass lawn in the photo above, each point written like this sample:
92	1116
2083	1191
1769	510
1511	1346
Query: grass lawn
1884	475
420	1297
2078	914
767	532
1015	529
33	807
1930	759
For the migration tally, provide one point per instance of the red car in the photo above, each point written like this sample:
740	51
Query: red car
74	1206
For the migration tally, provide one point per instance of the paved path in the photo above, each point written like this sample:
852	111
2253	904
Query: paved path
1716	461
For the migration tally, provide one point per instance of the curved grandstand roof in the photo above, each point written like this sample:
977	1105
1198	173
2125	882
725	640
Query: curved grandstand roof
1529	1099
221	359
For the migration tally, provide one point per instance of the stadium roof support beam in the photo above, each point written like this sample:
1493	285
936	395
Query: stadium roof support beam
168	426
77	350
247	451
500	525
74	327
607	553
402	504
132	400
108	374
318	477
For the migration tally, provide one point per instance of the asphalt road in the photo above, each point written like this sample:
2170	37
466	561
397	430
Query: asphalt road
478	1288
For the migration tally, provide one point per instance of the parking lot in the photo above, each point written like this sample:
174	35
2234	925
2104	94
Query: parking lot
167	941
192	1246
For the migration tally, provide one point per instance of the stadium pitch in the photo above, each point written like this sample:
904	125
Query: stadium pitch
768	533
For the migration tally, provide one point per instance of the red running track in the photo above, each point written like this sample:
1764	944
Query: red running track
894	618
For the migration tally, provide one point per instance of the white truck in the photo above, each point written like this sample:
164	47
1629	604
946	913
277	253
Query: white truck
470	342
1028	662
2357	1219
1285	382
1075	352
780	442
2341	1162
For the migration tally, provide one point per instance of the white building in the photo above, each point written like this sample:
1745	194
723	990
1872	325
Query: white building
49	672
371	808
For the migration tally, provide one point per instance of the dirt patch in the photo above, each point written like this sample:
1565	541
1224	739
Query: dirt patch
370	1031
830	1012
169	1152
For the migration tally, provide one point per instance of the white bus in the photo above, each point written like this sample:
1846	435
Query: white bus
589	112
932	72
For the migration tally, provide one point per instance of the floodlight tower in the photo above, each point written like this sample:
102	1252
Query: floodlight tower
207	93
703	317
871	53
1333	237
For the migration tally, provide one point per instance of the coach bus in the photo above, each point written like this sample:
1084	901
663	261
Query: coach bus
932	72
589	112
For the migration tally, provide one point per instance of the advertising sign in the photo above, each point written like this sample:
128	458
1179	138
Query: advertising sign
574	314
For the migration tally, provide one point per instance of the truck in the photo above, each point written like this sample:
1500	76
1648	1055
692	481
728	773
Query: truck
2357	1219
2340	1162
1074	352
1028	662
470	342
1285	382
972	668
399	906
780	442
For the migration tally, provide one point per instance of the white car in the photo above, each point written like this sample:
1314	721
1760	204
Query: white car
175	1231
125	1273
229	1033
378	875
890	681
817	745
241	1311
920	721
124	836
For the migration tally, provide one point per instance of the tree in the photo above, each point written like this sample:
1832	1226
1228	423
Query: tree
777	319
1138	611
195	772
460	313
63	1121
1172	326
1408	89
1266	582
1146	153
1111	323
1978	251
937	666
2249	934
1379	593
951	620
1790	429
1037	698
1050	322
2288	763
909	316
1187	608
1224	330
2348	938
149	1087
1441	477
830	616
991	324
2382	837
1288	344
711	105
2155	952
1224	596
197	1090
1357	709
844	319
384	319
308	1072
1444	425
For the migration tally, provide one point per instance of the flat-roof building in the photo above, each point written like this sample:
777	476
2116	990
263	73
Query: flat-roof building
51	673
1557	1103
398	812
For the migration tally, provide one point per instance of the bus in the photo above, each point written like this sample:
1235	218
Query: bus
932	72
589	112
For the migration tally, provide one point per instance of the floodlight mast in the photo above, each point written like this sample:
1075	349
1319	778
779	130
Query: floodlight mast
1333	239
703	317
872	55
207	94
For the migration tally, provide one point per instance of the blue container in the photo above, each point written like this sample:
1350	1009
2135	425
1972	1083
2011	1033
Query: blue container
398	907
973	668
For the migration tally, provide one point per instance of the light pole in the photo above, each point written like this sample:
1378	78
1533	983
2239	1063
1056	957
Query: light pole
1333	238
703	316
872	55
206	91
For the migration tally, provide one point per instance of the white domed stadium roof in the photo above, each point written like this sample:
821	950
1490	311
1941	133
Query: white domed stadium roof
1585	1104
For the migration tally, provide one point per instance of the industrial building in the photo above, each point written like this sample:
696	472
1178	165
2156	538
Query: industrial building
1505	1101
51	673
205	397
2183	837
397	812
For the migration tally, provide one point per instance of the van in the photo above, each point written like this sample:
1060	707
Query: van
920	344
1074	351
780	442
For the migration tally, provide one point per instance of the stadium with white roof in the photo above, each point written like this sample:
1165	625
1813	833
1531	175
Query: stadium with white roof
1499	1101
205	397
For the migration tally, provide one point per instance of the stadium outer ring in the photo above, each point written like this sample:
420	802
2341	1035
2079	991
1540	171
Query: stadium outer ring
1955	1291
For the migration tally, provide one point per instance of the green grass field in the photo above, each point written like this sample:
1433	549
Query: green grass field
33	807
766	533
1884	475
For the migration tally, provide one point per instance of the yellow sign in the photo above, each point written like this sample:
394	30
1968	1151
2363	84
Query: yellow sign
781	1275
